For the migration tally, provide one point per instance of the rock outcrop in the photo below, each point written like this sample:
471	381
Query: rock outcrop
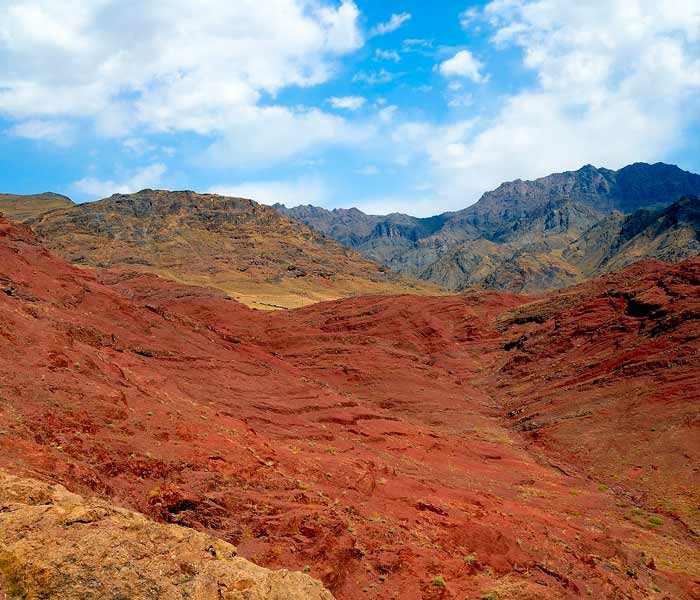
55	545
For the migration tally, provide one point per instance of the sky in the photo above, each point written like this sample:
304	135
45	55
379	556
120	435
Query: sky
391	106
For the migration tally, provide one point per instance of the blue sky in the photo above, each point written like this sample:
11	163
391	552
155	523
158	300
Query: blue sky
389	106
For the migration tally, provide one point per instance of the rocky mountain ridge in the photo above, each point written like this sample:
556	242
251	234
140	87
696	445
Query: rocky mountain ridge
515	237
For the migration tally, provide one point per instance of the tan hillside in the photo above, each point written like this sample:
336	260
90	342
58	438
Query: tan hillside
23	208
246	249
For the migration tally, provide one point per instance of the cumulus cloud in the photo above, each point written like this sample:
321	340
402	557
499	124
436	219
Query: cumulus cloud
170	66
261	136
468	17
347	102
291	192
463	64
146	177
394	22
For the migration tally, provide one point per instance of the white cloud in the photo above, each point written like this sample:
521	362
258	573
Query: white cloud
146	177
138	146
347	102
460	100
55	132
171	66
394	22
376	77
463	64
413	43
387	55
292	192
270	135
368	170
468	16
614	82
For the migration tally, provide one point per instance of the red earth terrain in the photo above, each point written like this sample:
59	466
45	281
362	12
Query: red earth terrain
484	445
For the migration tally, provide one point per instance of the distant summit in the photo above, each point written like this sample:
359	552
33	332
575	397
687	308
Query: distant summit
522	236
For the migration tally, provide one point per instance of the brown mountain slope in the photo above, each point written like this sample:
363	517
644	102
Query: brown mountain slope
671	234
368	439
22	208
248	250
528	260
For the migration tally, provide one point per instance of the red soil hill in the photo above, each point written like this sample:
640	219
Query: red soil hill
365	439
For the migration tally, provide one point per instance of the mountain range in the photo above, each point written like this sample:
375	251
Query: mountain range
531	236
524	236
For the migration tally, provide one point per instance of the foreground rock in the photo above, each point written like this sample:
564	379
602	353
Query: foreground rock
58	545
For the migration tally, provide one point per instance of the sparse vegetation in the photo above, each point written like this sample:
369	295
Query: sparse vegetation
12	577
470	559
655	521
438	581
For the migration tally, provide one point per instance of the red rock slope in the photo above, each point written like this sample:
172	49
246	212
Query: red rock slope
364	440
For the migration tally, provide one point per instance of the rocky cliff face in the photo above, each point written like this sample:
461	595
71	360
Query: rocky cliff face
248	250
532	222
